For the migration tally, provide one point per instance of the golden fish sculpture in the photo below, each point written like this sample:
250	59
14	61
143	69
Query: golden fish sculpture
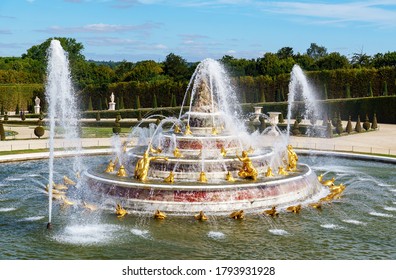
68	181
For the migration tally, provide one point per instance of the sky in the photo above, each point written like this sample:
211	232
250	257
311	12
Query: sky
136	30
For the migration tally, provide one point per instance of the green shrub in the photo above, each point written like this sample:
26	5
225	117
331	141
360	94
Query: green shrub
358	126
98	116
348	128
374	124
2	132
296	128
39	131
366	124
329	130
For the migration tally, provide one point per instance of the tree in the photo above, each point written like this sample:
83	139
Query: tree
285	52
315	51
143	71
332	61
360	60
176	67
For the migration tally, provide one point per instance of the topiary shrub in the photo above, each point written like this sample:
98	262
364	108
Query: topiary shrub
296	128
97	116
281	118
23	117
339	128
366	124
358	126
117	128
348	128
5	116
374	124
329	130
2	132
39	131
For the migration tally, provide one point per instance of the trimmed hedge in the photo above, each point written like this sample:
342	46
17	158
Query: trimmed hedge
382	106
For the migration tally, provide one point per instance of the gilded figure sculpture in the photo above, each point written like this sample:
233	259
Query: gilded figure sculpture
110	167
188	130
202	177
122	172
237	215
170	178
269	172
292	159
120	212
282	171
247	171
142	166
229	177
200	216
159	215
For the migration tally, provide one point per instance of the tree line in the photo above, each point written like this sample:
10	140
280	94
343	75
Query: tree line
260	79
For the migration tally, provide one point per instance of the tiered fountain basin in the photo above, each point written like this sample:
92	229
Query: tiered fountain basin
215	197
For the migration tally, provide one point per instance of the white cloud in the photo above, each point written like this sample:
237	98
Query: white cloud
102	28
378	13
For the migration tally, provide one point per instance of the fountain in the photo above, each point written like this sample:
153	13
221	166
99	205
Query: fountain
205	160
62	112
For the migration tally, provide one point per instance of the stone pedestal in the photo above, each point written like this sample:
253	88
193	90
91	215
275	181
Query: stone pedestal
37	109
257	112
274	117
111	106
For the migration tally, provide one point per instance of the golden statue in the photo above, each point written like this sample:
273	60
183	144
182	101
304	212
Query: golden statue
142	166
121	172
229	177
58	196
214	131
237	215
177	153
110	167
159	215
316	205
269	173
271	212
320	178
155	151
176	129
90	207
54	191
337	189
282	171
170	178
188	130
59	187
292	159
223	151
120	212
247	171
200	216
68	181
294	209
328	183
202	177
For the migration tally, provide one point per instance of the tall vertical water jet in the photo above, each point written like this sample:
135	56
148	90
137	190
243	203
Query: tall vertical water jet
299	85
62	108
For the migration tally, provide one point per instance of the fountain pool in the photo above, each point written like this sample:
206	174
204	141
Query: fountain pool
359	225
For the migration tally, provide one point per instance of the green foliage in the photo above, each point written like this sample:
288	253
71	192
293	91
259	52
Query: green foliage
348	128
370	93
122	105
339	128
39	131
2	110
176	67
315	51
348	91
358	126
385	92
98	116
281	118
137	102
155	104
366	124
296	128
2	132
90	108
374	124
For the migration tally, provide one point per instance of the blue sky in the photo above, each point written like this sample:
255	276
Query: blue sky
137	30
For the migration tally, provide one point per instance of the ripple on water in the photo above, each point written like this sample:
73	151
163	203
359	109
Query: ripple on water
355	222
278	231
216	234
87	234
141	233
32	219
9	209
377	214
390	208
331	226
